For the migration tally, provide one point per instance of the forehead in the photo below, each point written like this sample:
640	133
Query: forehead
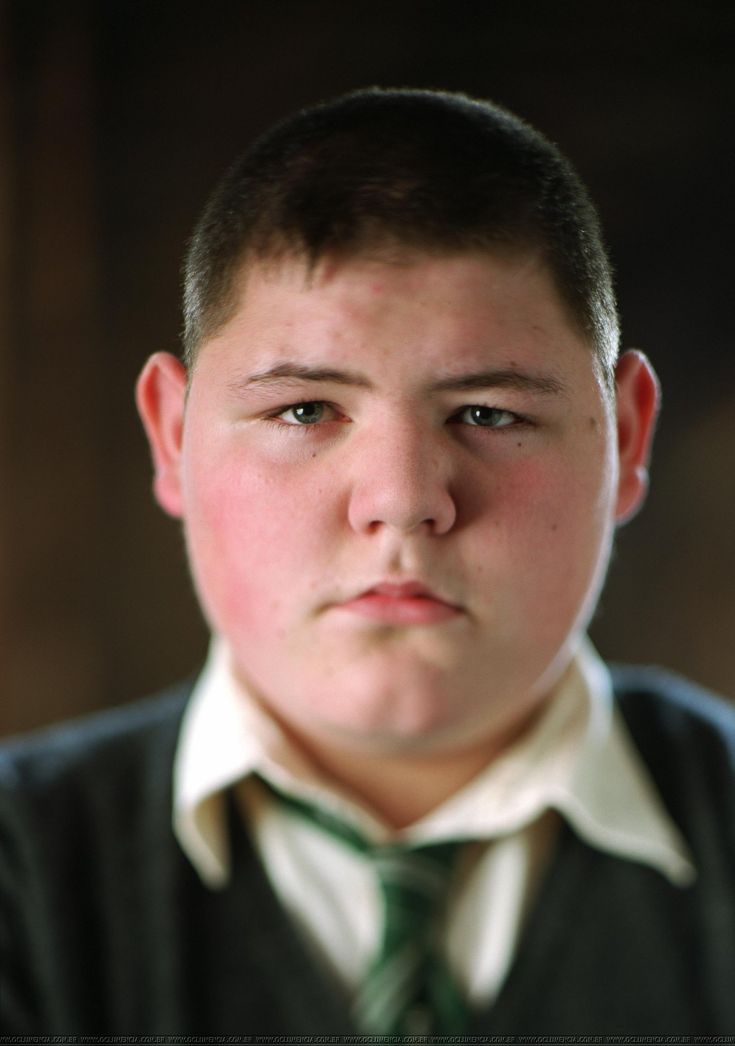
430	312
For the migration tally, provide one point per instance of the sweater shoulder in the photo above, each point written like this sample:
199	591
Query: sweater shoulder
655	698
686	736
100	747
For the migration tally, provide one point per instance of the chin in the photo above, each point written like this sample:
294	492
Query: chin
404	710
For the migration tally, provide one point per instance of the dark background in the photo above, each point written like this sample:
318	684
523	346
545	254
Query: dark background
115	118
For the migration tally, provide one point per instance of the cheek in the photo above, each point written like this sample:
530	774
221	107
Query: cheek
251	537
547	521
569	537
556	500
522	495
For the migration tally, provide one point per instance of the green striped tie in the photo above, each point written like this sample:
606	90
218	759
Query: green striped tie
407	989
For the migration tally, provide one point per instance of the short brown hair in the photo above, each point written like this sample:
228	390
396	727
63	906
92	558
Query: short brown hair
425	169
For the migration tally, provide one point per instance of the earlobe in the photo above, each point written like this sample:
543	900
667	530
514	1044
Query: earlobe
637	403
160	395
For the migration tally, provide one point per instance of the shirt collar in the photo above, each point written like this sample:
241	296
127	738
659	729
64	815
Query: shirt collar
577	758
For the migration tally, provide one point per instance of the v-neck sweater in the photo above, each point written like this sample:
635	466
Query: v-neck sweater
106	929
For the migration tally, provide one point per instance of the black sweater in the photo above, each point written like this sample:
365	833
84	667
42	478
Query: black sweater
105	928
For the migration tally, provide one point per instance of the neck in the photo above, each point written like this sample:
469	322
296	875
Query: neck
401	787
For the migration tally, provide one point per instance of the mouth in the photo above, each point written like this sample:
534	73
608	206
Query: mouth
405	603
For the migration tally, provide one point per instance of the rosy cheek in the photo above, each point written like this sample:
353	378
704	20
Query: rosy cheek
251	539
518	492
535	510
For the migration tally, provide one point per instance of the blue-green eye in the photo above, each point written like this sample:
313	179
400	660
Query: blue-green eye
487	417
307	413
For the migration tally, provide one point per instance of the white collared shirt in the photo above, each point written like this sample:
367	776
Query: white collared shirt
577	761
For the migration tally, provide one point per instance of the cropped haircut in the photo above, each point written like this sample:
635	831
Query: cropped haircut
421	169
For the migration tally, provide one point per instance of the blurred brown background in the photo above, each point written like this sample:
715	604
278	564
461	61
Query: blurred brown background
115	117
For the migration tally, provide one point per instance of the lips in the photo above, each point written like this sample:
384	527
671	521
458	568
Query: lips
402	603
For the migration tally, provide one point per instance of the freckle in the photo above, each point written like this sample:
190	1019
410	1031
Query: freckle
554	526
313	453
519	443
593	423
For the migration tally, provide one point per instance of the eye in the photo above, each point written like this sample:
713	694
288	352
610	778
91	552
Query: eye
307	413
487	417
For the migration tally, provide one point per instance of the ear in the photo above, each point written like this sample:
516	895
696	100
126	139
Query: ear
637	403
161	396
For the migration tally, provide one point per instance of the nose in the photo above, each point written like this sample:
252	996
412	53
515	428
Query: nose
402	481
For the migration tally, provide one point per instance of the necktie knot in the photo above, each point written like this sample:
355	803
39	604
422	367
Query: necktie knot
407	988
414	883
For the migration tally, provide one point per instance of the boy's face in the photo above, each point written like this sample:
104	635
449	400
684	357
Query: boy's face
399	481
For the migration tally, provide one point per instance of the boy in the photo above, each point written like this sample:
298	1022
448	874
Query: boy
403	797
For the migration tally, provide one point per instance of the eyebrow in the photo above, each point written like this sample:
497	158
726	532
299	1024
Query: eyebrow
521	380
284	372
504	378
